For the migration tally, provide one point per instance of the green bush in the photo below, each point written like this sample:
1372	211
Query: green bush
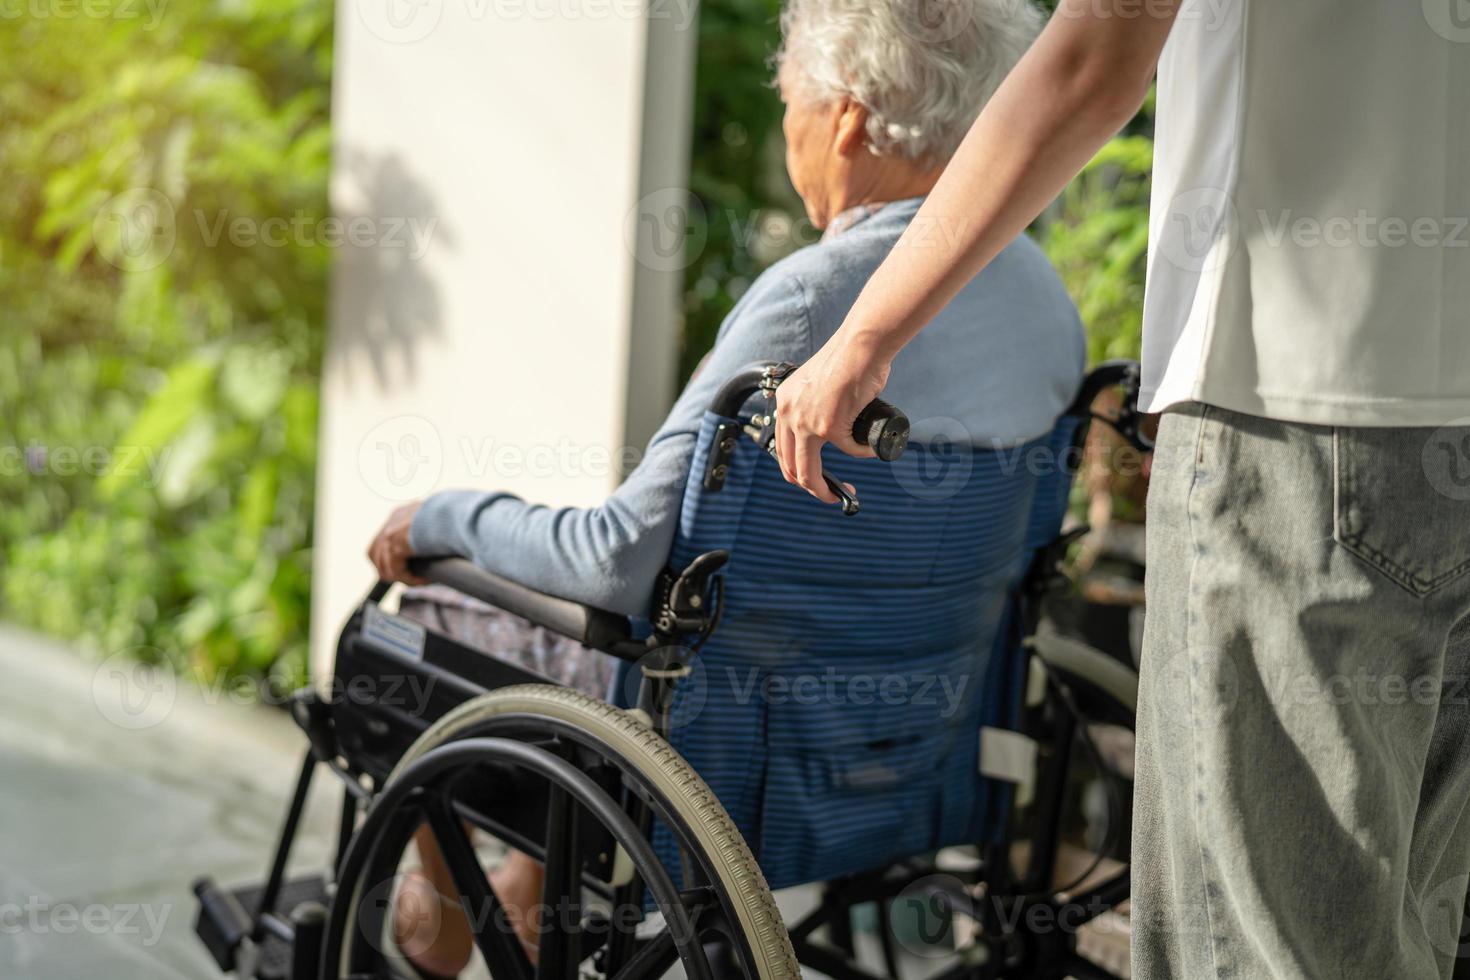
158	377
1097	237
736	173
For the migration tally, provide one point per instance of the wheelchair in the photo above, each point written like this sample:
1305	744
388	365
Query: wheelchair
664	815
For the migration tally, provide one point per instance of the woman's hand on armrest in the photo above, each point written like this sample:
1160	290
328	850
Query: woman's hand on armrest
391	550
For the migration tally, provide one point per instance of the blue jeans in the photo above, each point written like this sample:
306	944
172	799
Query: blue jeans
1302	802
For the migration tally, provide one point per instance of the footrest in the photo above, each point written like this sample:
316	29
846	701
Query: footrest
226	922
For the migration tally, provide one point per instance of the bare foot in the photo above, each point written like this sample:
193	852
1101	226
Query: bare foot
431	930
517	882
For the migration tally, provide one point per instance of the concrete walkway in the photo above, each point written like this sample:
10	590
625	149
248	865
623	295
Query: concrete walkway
118	787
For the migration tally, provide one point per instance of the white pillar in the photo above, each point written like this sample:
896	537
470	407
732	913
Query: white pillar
490	324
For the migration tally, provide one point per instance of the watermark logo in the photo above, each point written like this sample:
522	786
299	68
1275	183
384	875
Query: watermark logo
36	916
1446	459
401	458
400	21
1202	682
1450	19
404	898
666	231
410	234
689	675
136	689
935	21
1442	912
926	912
1198	226
145	463
132	693
942	468
937	915
135	230
150	11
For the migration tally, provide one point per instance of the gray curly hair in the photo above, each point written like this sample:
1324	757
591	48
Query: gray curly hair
922	68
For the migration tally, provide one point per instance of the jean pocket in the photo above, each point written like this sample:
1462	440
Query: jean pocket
1394	508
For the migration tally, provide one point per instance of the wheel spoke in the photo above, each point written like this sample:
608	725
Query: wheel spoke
493	932
653	959
1081	968
623	938
560	942
1101	897
885	933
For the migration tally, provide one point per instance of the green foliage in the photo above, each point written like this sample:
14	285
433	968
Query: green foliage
737	172
1097	236
157	374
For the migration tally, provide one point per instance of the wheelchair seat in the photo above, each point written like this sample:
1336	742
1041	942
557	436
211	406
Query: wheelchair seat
837	710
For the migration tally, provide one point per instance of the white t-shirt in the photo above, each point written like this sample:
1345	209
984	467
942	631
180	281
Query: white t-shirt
1309	238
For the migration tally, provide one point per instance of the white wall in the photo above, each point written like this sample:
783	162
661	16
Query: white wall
491	326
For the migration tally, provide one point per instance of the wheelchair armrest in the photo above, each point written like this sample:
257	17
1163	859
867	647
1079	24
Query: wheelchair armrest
1129	421
1117	679
596	628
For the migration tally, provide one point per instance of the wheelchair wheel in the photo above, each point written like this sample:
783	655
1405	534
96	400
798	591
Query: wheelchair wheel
595	767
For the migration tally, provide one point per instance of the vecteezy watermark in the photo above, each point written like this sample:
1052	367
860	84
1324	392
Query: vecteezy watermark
1450	19
139	229
403	457
135	230
945	693
37	459
666	231
831	686
945	454
1197	234
409	234
149	11
935	915
1212	685
409	897
37	916
935	21
670	664
1362	229
1442	911
1212	13
136	689
1446	459
1199	684
410	21
1203	227
944	463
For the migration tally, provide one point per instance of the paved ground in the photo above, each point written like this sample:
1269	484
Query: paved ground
117	789
119	786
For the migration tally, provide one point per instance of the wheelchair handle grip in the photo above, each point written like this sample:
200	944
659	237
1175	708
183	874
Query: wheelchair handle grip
883	428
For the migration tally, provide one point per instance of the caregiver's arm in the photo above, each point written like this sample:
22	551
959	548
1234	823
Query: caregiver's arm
1082	80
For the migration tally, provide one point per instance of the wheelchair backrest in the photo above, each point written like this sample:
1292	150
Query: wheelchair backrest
837	707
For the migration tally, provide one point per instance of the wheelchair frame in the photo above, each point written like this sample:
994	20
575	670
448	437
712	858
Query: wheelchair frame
371	748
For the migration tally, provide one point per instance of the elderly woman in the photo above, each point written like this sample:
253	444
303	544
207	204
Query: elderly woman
876	102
